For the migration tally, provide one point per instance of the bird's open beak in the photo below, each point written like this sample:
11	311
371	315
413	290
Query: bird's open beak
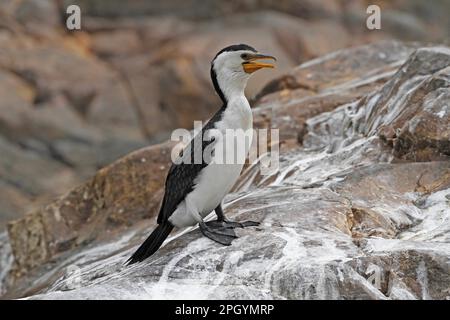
251	64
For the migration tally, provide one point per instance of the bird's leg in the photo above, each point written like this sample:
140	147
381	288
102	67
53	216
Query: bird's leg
225	223
221	235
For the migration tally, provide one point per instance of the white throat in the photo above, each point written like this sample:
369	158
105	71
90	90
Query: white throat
232	84
238	113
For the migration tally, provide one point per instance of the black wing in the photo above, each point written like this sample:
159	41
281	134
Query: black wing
180	179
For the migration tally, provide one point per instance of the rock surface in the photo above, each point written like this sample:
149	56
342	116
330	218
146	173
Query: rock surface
358	208
73	102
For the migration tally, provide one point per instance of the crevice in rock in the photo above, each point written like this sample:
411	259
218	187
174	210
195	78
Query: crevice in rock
362	224
56	155
133	99
80	103
41	95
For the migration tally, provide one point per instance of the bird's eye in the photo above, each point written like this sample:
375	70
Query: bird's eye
245	56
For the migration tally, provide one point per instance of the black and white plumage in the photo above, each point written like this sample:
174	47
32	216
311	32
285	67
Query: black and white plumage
193	190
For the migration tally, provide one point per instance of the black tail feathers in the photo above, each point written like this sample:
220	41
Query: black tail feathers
152	243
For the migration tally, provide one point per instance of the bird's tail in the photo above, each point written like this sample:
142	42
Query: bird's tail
152	243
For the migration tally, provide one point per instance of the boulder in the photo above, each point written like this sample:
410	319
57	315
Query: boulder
113	199
57	128
409	113
323	84
6	260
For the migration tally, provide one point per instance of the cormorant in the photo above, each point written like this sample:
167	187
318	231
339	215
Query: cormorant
194	188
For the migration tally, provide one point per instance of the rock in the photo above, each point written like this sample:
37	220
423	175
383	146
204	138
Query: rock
196	10
400	19
6	260
346	216
13	201
323	84
418	125
104	43
61	128
24	178
37	12
410	112
46	131
115	197
404	20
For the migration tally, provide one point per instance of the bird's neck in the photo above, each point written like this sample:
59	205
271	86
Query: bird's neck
229	86
237	112
234	90
237	109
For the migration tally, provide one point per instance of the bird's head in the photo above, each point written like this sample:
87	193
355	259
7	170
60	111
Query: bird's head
232	67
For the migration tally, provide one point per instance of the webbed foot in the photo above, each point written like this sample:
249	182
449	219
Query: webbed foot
218	233
235	224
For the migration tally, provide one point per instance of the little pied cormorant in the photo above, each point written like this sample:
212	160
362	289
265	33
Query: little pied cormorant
193	190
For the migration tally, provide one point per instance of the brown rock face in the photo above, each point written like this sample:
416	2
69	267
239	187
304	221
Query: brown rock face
51	123
418	124
113	199
348	214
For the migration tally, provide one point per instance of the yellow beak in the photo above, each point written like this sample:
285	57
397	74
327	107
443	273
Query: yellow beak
251	64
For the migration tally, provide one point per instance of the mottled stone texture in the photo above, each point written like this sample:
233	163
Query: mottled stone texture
115	198
357	210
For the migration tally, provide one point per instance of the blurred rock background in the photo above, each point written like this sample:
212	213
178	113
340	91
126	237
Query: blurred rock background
72	102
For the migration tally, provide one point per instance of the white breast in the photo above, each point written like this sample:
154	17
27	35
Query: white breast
217	179
238	115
